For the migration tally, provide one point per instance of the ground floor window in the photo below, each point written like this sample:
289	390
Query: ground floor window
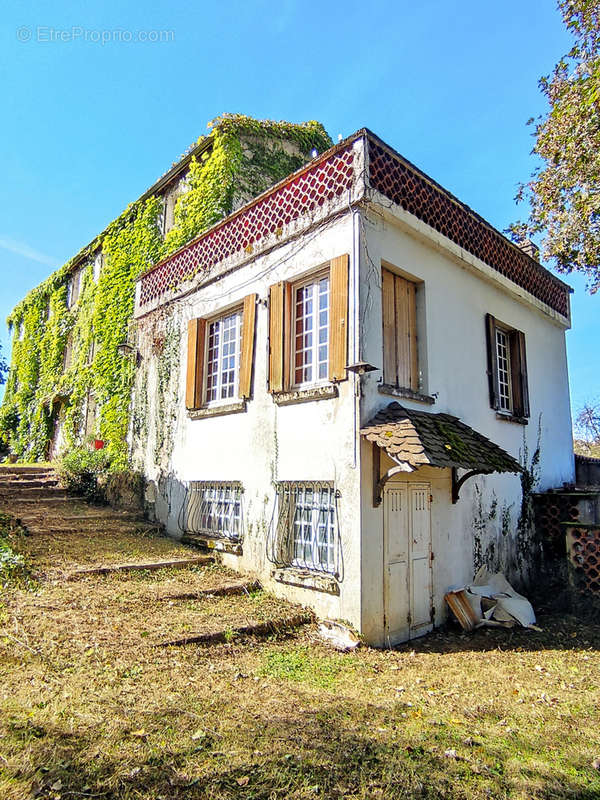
304	532
213	508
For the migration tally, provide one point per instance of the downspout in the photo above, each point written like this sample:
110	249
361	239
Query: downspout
356	242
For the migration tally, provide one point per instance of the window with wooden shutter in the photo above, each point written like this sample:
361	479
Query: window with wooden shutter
507	369
247	350
277	294
338	319
308	329
220	357
400	346
195	363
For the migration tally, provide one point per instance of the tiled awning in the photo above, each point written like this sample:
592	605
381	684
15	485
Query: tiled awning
418	438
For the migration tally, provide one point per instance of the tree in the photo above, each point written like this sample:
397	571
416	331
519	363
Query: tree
564	192
588	426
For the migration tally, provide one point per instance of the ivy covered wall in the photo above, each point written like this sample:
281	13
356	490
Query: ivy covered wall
65	363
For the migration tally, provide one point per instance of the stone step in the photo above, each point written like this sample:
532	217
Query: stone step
283	626
25	470
87	515
224	590
99	525
32	491
16	484
34	502
178	563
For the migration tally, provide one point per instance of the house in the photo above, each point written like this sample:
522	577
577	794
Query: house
340	383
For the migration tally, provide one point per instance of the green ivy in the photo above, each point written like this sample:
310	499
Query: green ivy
242	158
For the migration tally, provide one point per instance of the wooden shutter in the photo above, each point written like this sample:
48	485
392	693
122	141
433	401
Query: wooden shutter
492	359
411	292
518	367
247	348
276	336
390	375
338	318
400	346
195	363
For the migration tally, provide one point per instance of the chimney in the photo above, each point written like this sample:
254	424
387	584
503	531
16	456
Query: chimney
529	247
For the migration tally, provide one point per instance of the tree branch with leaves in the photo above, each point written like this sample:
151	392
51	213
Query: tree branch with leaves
564	192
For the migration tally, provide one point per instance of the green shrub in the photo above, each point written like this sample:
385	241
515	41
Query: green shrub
13	567
82	471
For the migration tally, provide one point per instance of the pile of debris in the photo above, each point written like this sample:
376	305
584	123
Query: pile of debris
490	600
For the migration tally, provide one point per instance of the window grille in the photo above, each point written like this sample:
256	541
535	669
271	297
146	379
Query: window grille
213	509
304	532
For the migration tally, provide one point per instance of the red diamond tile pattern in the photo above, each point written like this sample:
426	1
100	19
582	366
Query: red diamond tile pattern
302	195
398	182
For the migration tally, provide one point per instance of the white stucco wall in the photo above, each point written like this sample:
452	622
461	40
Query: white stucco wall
454	298
266	442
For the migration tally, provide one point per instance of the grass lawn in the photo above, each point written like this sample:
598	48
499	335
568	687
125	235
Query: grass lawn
90	707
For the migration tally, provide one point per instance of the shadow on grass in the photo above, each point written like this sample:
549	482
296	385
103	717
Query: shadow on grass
328	753
559	632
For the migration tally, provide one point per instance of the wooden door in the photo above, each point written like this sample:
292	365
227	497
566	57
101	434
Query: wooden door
407	561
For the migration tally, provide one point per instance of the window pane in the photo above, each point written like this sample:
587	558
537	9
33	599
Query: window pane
223	357
313	534
311	332
504	380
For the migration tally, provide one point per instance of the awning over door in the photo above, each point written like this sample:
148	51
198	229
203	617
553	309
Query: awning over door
415	439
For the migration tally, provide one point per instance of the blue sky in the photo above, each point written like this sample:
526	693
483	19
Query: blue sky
89	125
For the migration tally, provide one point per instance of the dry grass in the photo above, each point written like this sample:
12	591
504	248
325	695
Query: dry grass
90	708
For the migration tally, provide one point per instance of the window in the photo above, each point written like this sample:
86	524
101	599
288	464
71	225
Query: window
400	346
214	509
166	218
97	266
507	369
223	357
308	329
306	534
311	331
220	357
74	288
68	353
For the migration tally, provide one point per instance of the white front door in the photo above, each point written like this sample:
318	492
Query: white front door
407	561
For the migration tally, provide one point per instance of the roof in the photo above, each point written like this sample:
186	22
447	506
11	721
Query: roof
419	438
269	218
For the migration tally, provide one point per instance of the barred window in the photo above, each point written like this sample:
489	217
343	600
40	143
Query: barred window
214	509
305	530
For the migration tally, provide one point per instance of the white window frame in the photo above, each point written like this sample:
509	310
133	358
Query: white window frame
214	509
314	282
504	370
315	518
219	384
